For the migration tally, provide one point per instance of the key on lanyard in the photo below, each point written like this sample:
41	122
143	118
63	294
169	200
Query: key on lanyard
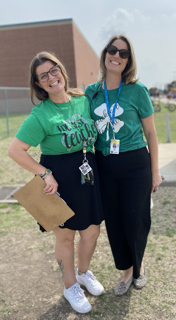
87	175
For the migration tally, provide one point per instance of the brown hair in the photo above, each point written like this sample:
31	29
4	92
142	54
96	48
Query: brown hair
129	74
35	90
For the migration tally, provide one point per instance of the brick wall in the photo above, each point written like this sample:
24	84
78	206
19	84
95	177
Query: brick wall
86	60
19	45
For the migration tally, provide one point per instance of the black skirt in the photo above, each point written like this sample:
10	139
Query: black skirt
84	200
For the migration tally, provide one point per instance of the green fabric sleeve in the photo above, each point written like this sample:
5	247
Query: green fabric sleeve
145	105
31	131
88	93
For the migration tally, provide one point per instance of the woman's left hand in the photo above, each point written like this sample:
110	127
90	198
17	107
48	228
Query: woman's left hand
156	181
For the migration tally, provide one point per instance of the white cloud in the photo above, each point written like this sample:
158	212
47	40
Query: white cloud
122	16
140	16
121	21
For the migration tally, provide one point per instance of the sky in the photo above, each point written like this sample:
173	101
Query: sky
150	25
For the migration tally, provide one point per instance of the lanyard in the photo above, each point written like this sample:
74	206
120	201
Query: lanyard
112	117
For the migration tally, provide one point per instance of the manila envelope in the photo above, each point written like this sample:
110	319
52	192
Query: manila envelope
49	210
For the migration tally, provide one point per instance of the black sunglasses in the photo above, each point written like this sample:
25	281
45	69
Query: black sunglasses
123	53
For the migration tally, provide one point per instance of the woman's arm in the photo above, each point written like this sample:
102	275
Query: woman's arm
152	141
18	152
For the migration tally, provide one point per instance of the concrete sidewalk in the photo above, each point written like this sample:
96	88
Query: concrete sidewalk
167	162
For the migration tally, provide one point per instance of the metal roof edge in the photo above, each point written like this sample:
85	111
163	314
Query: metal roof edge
35	22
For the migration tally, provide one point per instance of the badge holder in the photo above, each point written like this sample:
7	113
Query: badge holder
87	175
114	146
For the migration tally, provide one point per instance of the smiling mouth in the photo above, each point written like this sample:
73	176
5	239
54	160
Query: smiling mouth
54	84
115	62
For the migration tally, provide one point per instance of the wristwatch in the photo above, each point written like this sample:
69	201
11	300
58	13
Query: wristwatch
48	171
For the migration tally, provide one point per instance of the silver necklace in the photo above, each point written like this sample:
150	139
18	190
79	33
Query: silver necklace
63	111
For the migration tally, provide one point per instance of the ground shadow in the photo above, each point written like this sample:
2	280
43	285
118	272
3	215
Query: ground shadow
107	306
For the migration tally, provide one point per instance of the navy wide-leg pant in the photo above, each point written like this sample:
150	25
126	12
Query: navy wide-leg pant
126	183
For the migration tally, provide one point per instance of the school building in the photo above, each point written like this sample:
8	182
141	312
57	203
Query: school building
21	42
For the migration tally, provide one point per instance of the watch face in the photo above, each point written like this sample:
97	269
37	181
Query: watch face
48	171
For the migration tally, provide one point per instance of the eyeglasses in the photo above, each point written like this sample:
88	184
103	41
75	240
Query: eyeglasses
123	53
43	77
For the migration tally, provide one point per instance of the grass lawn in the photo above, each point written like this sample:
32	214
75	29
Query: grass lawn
10	172
15	121
160	124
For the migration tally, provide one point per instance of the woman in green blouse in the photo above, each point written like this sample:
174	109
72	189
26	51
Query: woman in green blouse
61	124
122	111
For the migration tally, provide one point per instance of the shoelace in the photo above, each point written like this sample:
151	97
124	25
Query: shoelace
78	292
90	276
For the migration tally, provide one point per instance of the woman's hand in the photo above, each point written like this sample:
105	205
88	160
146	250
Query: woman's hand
51	184
150	133
156	181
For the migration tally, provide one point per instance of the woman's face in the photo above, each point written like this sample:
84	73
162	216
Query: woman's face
114	63
55	84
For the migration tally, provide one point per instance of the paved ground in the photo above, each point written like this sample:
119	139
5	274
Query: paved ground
167	162
164	99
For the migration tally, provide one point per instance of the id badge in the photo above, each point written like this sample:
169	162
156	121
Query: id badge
85	168
114	146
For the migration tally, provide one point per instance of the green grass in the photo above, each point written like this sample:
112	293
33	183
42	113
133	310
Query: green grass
160	124
14	216
166	202
15	121
11	172
3	206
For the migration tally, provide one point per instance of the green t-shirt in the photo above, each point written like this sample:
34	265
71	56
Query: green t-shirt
59	128
133	105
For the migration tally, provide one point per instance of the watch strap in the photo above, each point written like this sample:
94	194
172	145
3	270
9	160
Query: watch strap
48	171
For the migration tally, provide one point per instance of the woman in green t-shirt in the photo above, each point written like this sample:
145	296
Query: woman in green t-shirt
63	127
122	110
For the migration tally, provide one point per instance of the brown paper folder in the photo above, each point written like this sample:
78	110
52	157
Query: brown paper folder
49	210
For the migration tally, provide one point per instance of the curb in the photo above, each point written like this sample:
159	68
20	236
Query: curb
168	184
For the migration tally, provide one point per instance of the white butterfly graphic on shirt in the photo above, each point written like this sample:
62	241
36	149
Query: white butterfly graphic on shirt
101	124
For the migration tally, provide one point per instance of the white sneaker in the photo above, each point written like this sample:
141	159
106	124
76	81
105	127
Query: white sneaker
75	296
90	282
